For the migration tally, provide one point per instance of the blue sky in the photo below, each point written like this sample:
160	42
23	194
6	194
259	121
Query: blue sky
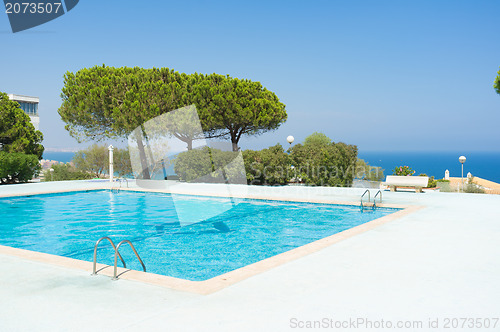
384	75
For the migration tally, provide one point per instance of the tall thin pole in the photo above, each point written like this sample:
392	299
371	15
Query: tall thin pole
462	160
462	177
111	170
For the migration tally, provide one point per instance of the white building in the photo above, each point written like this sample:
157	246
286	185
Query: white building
28	105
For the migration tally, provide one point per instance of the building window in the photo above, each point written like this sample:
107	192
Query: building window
29	108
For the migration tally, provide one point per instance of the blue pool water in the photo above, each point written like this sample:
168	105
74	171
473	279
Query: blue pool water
69	224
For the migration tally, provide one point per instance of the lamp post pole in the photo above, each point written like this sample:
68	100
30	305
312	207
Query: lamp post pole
51	174
290	140
111	170
462	161
462	177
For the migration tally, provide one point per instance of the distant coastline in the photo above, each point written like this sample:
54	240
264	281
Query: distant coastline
61	149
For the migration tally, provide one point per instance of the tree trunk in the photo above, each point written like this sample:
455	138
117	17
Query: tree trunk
142	156
235	146
190	144
234	141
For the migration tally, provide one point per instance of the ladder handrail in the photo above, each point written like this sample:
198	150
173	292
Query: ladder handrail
374	199
117	254
95	253
121	179
366	191
361	200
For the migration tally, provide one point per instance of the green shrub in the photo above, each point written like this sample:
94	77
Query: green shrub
94	159
269	166
122	164
432	183
324	163
317	139
318	162
65	172
210	166
403	171
473	188
18	167
445	187
370	173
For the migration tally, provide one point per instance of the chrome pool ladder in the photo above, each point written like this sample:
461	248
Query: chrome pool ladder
361	200
117	254
374	206
120	180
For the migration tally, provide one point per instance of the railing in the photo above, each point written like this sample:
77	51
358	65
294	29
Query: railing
361	200
95	253
375	199
115	277
121	180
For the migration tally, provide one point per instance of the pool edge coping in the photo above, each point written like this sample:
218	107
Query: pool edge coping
222	281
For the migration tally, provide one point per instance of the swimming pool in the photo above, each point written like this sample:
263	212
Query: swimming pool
69	224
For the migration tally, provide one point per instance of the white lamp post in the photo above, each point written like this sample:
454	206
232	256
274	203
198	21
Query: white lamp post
51	174
462	161
111	171
290	139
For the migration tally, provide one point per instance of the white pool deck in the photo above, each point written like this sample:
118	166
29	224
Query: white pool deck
440	262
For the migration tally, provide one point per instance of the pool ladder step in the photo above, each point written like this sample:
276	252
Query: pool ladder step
117	254
374	205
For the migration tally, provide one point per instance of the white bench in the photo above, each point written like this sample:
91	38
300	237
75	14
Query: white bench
417	182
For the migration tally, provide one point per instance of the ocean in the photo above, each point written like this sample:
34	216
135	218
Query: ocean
64	157
485	165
